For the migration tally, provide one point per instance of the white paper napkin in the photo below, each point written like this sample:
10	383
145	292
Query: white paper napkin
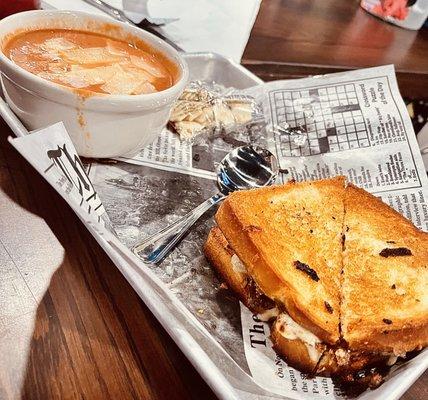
219	26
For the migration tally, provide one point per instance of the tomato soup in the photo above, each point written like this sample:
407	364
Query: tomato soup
90	61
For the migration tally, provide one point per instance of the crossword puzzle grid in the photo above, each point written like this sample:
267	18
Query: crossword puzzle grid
331	116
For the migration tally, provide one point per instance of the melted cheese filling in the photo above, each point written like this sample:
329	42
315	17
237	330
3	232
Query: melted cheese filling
291	330
391	360
237	265
267	315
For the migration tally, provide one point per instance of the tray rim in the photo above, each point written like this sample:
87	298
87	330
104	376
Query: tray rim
239	67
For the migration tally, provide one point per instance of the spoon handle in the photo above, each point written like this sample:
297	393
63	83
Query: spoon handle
110	10
155	248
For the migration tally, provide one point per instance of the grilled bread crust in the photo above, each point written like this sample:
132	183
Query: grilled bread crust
385	277
282	234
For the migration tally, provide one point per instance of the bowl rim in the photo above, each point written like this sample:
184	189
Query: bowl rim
96	99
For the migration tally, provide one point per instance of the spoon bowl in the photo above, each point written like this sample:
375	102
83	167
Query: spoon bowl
247	167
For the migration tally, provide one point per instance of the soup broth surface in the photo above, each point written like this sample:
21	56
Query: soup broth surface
90	61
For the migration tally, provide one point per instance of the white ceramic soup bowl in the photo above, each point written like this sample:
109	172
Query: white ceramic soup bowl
99	125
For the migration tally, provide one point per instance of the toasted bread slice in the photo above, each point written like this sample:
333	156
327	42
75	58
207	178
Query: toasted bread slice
290	239
385	277
231	269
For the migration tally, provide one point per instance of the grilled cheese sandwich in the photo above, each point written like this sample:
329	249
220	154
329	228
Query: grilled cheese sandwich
249	243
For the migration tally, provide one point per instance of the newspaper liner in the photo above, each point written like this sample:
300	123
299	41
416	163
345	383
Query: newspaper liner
167	179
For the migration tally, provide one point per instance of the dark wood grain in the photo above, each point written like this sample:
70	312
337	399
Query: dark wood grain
295	38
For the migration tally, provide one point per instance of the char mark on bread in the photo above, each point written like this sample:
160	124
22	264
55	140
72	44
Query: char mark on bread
307	270
395	252
328	307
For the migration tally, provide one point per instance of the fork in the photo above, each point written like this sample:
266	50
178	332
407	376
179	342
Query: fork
147	23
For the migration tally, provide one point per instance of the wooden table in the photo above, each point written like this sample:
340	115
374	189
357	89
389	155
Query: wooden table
70	325
295	38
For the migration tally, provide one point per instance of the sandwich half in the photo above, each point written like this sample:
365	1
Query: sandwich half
385	278
319	259
290	240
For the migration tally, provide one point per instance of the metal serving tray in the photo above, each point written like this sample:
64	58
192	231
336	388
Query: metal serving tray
221	369
214	67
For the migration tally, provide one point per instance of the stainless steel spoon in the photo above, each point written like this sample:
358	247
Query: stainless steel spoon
243	168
